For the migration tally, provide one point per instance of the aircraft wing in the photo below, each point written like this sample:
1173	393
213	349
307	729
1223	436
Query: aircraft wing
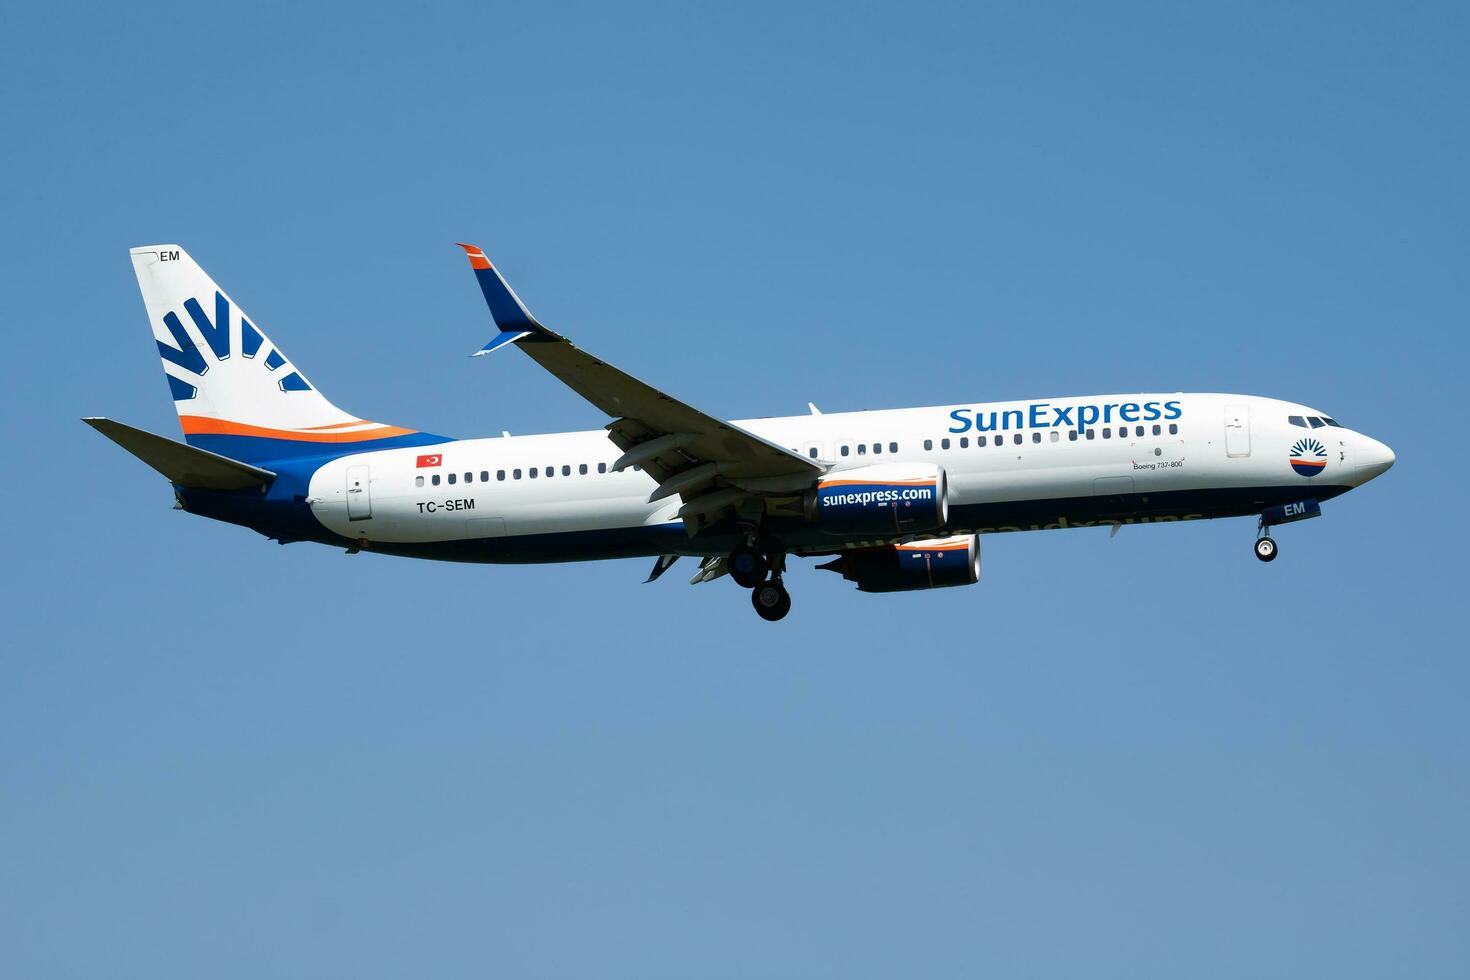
710	463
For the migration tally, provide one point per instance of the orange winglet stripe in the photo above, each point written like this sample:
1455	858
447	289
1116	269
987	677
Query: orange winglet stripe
200	425
477	256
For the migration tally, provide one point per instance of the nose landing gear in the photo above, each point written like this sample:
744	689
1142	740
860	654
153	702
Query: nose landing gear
1266	547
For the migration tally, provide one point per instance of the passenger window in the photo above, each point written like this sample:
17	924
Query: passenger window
1158	428
1056	436
892	448
1107	433
844	450
812	452
1071	435
1092	433
1035	437
1316	422
418	481
550	471
1138	432
1173	429
582	470
500	474
981	440
943	443
451	479
434	479
862	449
532	474
1017	439
469	478
566	470
877	448
602	467
928	444
517	474
484	476
1297	421
964	442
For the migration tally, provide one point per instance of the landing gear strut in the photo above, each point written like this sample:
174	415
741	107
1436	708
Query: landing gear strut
761	574
1265	545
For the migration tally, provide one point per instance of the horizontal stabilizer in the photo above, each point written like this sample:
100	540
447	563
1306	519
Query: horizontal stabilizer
184	465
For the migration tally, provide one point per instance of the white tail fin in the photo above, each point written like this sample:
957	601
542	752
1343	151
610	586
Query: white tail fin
236	393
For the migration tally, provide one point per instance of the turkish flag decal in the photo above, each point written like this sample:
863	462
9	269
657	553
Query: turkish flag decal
433	460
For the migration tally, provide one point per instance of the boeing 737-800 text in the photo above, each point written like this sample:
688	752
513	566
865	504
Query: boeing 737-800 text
898	498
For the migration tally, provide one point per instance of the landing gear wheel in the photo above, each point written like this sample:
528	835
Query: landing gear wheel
748	567
1266	549
771	600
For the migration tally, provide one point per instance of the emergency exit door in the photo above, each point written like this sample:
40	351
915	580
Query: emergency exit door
359	496
1237	430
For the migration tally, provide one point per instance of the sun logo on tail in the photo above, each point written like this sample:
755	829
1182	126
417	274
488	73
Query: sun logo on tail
1308	457
186	355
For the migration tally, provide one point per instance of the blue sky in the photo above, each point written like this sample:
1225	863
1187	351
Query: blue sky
1147	756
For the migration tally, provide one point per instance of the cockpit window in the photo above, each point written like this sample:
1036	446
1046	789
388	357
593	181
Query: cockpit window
1316	422
1297	421
1332	422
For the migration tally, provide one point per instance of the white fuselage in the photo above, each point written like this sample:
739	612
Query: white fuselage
1004	461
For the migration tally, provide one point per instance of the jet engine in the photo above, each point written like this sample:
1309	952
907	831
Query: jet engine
883	499
930	564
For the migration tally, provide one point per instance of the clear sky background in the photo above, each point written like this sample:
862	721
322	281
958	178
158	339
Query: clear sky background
1147	756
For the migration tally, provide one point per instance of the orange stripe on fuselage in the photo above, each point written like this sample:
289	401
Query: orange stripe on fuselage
876	483
199	425
337	425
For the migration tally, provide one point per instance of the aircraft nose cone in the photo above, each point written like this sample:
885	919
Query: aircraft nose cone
1374	458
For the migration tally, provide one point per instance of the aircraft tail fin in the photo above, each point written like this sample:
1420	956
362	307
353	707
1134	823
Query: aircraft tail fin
236	393
183	465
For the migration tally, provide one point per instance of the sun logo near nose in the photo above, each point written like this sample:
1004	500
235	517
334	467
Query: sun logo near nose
1308	457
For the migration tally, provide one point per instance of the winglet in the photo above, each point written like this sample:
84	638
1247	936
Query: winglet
509	313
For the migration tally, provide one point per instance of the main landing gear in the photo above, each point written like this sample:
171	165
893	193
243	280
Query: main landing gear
761	574
748	567
771	600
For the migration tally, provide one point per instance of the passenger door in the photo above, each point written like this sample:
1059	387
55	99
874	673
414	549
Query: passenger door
1237	430
359	494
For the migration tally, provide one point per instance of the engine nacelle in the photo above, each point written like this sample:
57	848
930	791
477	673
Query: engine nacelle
932	564
883	499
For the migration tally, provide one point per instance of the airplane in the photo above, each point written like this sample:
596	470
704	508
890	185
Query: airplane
896	499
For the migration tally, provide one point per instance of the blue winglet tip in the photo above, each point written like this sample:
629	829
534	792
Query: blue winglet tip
500	340
506	308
